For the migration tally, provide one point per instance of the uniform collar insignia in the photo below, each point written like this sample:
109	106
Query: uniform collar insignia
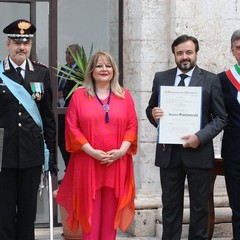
31	68
7	65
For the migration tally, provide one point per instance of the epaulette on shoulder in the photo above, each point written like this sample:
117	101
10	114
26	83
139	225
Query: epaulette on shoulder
39	64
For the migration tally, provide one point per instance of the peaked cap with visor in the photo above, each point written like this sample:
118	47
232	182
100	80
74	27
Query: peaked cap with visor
20	30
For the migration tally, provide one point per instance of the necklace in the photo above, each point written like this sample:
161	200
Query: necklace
105	106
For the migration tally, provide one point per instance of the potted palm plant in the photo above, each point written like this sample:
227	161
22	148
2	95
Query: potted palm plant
67	233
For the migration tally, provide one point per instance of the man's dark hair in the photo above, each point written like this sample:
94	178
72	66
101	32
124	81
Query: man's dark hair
235	37
185	38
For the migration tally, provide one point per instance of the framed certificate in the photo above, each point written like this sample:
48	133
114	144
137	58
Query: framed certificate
182	108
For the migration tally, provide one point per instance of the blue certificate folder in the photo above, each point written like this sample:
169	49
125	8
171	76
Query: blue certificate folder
182	108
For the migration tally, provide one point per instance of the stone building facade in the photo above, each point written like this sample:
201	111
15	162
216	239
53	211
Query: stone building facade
150	26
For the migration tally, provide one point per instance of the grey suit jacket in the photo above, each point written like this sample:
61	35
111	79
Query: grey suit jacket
214	117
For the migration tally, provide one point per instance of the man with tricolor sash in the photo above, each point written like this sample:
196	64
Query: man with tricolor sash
230	153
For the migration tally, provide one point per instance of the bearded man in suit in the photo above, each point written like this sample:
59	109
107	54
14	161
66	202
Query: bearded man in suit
194	159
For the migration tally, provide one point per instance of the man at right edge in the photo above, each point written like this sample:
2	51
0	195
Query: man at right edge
230	81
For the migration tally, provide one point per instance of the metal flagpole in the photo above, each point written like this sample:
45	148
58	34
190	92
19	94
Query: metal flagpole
50	204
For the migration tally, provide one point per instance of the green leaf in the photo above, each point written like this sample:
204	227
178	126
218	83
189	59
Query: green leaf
81	60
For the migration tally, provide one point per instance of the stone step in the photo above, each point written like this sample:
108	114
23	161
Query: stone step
222	215
43	234
221	231
145	225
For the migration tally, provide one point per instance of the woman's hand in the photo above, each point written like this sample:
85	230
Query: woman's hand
114	155
97	154
100	155
106	157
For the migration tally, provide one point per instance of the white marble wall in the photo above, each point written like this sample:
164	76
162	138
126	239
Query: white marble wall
150	26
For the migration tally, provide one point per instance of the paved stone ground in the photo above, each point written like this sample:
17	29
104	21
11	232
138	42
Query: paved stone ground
43	234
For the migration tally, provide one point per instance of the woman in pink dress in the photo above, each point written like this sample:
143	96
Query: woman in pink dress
98	188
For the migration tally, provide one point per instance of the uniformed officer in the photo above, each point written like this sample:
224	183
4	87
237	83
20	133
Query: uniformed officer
23	138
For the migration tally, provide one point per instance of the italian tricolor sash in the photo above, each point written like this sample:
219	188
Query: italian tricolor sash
234	76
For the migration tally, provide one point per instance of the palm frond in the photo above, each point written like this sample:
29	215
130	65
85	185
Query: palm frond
77	76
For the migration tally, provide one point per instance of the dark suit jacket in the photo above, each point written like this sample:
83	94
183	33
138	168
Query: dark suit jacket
23	141
68	86
231	136
214	117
